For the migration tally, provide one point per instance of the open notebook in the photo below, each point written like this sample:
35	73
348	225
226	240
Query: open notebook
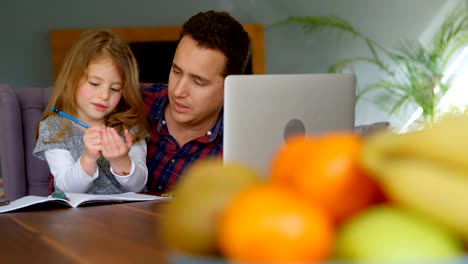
77	199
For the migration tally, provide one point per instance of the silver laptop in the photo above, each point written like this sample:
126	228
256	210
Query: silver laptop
261	111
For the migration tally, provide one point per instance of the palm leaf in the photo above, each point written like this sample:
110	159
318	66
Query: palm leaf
311	24
342	64
399	104
413	71
390	87
390	102
453	25
413	54
444	88
457	43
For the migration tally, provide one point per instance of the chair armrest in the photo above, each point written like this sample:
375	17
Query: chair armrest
33	101
11	145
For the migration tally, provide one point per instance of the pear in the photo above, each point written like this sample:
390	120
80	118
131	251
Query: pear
190	219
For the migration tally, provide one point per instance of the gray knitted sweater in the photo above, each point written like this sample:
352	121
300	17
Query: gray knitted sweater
73	142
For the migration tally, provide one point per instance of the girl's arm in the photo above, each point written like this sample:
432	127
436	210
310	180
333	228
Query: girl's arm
136	179
68	174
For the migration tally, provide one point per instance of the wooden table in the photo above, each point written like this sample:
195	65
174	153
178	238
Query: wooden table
117	233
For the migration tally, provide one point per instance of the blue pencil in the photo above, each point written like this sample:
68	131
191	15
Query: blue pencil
69	117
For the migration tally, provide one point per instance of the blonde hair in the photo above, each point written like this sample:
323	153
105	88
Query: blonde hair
95	45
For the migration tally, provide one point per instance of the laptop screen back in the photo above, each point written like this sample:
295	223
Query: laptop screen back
260	111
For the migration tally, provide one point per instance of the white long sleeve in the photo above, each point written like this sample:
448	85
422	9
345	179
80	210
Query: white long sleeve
70	177
68	174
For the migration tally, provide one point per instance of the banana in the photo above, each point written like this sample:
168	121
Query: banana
425	171
430	190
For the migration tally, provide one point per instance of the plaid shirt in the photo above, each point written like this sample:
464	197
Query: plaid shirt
166	160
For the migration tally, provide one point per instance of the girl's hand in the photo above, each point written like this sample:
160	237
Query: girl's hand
115	150
92	141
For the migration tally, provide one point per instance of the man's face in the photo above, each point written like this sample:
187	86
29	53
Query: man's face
196	85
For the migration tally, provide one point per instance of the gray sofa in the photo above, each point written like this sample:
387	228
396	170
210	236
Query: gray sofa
20	109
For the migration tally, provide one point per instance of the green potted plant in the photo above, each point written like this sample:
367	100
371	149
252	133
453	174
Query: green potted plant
412	74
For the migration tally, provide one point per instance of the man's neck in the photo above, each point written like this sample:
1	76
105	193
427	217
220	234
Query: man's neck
184	133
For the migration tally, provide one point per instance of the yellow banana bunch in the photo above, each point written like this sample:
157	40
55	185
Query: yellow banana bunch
425	171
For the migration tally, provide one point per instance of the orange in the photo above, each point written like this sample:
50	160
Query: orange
332	177
327	173
268	223
289	157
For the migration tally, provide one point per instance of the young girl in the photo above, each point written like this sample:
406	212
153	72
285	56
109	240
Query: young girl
98	85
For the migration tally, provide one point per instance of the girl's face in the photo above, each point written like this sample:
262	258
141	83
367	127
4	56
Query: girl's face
99	92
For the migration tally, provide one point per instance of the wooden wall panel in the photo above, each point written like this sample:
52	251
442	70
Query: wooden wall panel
61	41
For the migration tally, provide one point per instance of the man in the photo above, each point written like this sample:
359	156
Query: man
186	116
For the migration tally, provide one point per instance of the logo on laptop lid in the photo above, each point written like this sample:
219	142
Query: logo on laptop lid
293	127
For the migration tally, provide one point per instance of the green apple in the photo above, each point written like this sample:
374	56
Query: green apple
385	234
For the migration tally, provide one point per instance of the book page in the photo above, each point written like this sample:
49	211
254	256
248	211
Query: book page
76	199
28	201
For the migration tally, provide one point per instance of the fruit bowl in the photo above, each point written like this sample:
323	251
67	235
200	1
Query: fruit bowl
180	258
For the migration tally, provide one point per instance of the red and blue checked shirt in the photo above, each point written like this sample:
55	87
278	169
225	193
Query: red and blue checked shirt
166	160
